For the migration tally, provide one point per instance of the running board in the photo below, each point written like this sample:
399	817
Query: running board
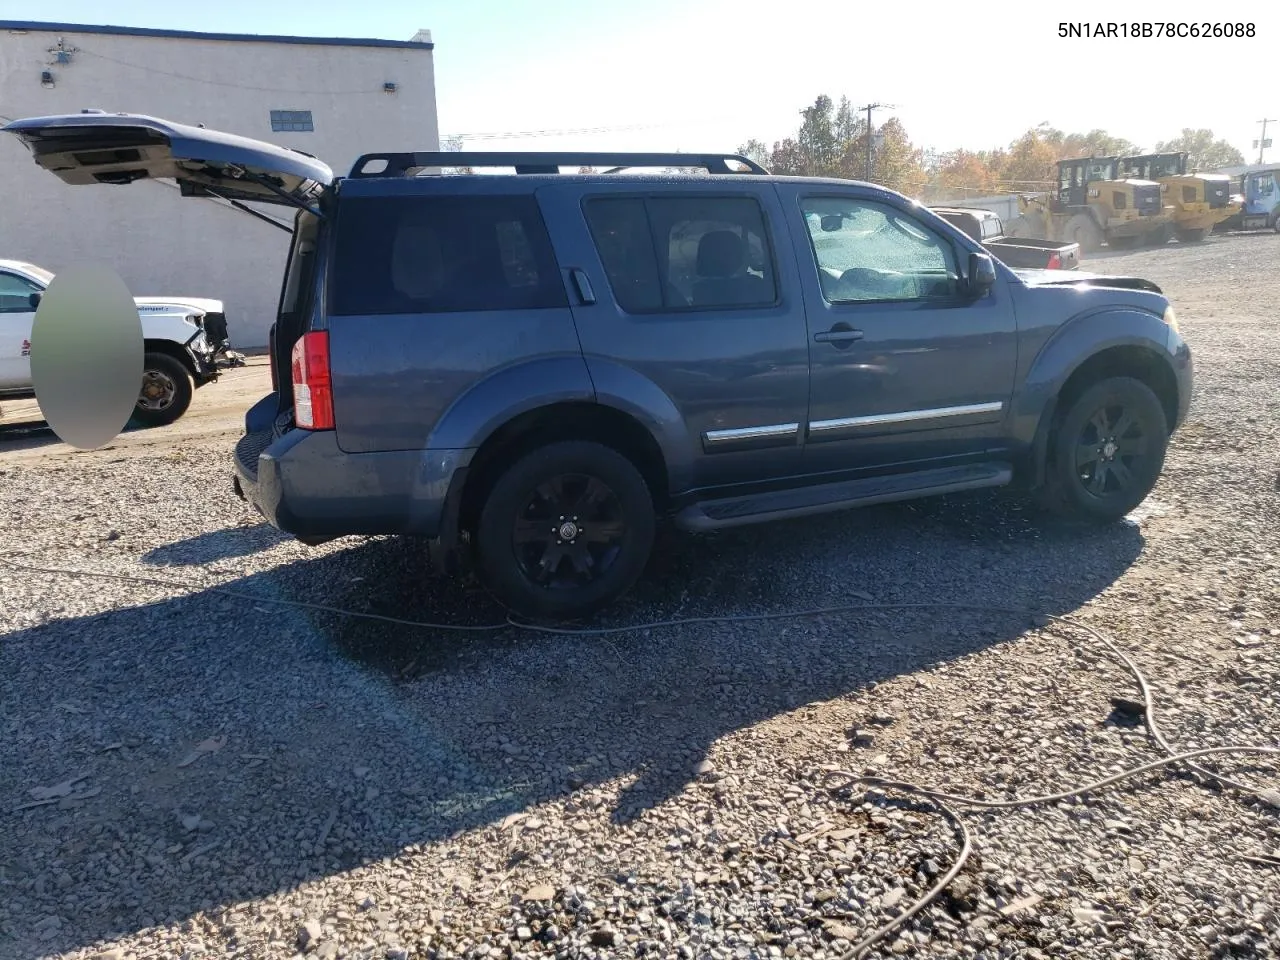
828	497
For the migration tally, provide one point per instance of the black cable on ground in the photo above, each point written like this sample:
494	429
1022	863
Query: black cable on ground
939	799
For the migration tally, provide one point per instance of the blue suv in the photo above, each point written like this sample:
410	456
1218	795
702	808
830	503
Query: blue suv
530	368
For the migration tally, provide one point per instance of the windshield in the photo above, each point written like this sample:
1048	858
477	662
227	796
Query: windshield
39	274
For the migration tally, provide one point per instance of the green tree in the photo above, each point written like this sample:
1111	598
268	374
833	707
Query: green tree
755	150
820	151
1203	152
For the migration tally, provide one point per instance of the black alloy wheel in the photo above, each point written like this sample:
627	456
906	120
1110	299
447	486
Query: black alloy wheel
566	530
569	531
1109	450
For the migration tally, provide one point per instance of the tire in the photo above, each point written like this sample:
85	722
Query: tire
608	544
1191	234
1084	230
1158	237
167	389
1131	417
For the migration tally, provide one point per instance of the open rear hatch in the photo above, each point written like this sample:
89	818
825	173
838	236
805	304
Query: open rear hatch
121	148
93	147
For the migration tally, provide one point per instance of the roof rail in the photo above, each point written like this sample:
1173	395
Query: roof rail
411	164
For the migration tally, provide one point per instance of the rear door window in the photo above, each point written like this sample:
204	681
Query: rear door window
684	253
396	255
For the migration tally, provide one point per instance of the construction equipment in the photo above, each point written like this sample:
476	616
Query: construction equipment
1094	205
1258	202
1200	200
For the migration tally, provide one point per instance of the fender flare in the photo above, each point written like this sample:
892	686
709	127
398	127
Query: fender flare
506	394
1073	345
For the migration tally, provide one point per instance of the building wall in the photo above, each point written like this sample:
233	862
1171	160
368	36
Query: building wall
1005	206
162	243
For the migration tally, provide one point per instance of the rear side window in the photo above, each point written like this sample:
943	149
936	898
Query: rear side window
442	255
684	253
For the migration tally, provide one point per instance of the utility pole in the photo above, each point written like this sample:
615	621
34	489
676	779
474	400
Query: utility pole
869	107
1262	141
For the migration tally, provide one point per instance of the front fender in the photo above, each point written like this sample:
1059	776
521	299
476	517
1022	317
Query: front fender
1074	344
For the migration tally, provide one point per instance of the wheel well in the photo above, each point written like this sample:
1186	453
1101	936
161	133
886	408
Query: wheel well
1137	362
171	349
556	422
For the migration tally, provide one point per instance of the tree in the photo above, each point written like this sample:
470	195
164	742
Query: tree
454	145
1203	152
786	160
895	161
820	151
1096	143
755	150
1029	164
962	174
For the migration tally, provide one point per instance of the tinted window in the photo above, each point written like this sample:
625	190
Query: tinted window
684	253
443	254
15	294
867	251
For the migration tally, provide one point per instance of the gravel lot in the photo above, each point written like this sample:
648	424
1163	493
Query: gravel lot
241	778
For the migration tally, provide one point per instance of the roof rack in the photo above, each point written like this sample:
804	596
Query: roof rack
411	164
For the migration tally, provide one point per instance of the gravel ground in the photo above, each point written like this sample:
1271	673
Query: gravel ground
232	777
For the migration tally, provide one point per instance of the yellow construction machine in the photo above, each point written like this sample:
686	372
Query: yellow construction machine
1094	205
1200	200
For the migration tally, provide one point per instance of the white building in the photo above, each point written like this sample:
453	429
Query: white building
332	98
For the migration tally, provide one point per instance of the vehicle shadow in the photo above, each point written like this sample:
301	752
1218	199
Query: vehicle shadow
34	433
468	727
216	545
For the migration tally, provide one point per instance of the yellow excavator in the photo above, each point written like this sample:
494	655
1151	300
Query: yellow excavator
1200	200
1093	205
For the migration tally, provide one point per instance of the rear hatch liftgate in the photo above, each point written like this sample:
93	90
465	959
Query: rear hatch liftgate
93	147
121	148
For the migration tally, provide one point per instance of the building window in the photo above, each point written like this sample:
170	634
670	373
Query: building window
296	121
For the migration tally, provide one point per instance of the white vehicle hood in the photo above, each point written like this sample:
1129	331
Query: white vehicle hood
196	303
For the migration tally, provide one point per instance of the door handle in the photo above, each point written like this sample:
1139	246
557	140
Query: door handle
583	286
841	335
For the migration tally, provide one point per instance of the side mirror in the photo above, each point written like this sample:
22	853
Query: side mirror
832	222
982	274
35	300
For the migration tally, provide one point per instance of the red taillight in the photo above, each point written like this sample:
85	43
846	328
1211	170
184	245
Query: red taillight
1055	262
312	389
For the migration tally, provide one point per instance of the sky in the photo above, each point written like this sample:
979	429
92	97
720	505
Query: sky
710	74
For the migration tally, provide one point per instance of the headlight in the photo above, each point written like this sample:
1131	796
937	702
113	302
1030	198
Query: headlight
1171	318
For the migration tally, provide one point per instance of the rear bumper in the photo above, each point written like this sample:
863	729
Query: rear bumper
303	484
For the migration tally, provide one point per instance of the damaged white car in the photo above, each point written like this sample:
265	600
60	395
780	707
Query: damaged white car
185	342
